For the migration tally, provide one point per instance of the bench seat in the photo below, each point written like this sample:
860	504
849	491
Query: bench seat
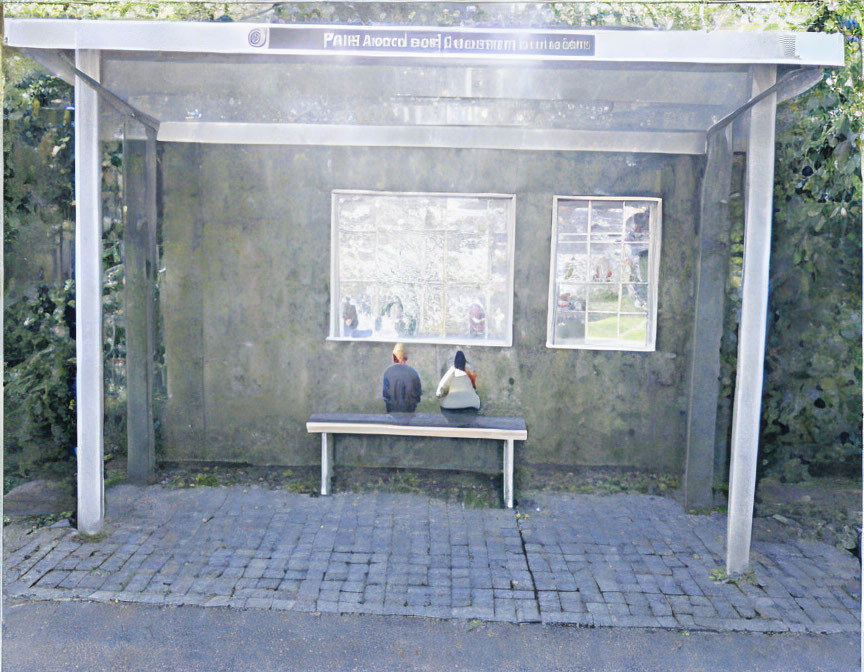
452	425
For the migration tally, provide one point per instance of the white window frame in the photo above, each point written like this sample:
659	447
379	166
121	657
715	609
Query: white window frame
335	309
653	274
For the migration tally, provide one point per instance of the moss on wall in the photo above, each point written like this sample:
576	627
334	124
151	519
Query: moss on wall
246	310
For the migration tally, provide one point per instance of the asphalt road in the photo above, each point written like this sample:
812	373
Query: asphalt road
91	636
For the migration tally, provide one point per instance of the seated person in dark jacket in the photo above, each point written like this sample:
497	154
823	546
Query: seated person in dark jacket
402	388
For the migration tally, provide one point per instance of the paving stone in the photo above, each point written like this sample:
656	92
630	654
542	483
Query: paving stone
584	619
384	554
723	608
597	608
643	621
505	609
259	602
549	601
527	611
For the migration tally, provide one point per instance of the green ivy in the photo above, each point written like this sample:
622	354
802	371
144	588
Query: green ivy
39	355
39	376
812	400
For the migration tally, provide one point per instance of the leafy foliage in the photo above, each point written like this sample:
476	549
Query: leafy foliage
39	379
812	401
39	432
38	171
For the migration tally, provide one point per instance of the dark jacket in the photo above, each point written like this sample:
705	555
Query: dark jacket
402	389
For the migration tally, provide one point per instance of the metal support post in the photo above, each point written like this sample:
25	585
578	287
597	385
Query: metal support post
88	298
751	334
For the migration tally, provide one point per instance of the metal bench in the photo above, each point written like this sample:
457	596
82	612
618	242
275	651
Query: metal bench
507	430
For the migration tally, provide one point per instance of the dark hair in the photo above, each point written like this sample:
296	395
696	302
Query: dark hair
459	360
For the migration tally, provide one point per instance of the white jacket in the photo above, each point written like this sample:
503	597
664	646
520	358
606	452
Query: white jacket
459	390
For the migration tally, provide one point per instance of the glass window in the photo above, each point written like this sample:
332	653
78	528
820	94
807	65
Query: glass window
603	276
422	267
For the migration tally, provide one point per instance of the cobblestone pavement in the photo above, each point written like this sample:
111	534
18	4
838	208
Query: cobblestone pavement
619	560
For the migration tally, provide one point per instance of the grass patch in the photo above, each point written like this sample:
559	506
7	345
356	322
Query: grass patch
472	490
473	499
595	480
708	510
719	575
33	523
605	328
404	482
303	487
204	481
111	481
85	538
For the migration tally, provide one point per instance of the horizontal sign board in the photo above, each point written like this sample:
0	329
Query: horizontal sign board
432	41
531	44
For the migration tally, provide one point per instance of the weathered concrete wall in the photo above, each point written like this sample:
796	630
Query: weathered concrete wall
246	301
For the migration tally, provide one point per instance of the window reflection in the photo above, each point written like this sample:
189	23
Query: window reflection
428	267
603	272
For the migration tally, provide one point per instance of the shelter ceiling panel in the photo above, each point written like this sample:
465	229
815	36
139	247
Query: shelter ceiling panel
292	91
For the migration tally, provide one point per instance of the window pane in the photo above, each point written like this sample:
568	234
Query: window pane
634	298
635	263
603	298
634	328
432	216
357	255
496	315
355	213
467	257
571	297
602	326
570	312
357	319
498	215
500	258
607	220
433	257
393	213
572	262
466	311
399	311
572	219
605	262
386	258
637	221
431	323
570	327
412	258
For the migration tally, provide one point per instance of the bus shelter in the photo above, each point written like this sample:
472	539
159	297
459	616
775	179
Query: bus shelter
557	198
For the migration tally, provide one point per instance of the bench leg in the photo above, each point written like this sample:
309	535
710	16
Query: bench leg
508	473
326	462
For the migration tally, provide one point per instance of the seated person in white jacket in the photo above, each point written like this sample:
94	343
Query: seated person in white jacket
458	386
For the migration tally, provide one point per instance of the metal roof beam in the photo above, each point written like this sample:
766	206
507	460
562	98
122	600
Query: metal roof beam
457	137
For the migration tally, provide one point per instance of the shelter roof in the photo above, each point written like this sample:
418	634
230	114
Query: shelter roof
607	90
